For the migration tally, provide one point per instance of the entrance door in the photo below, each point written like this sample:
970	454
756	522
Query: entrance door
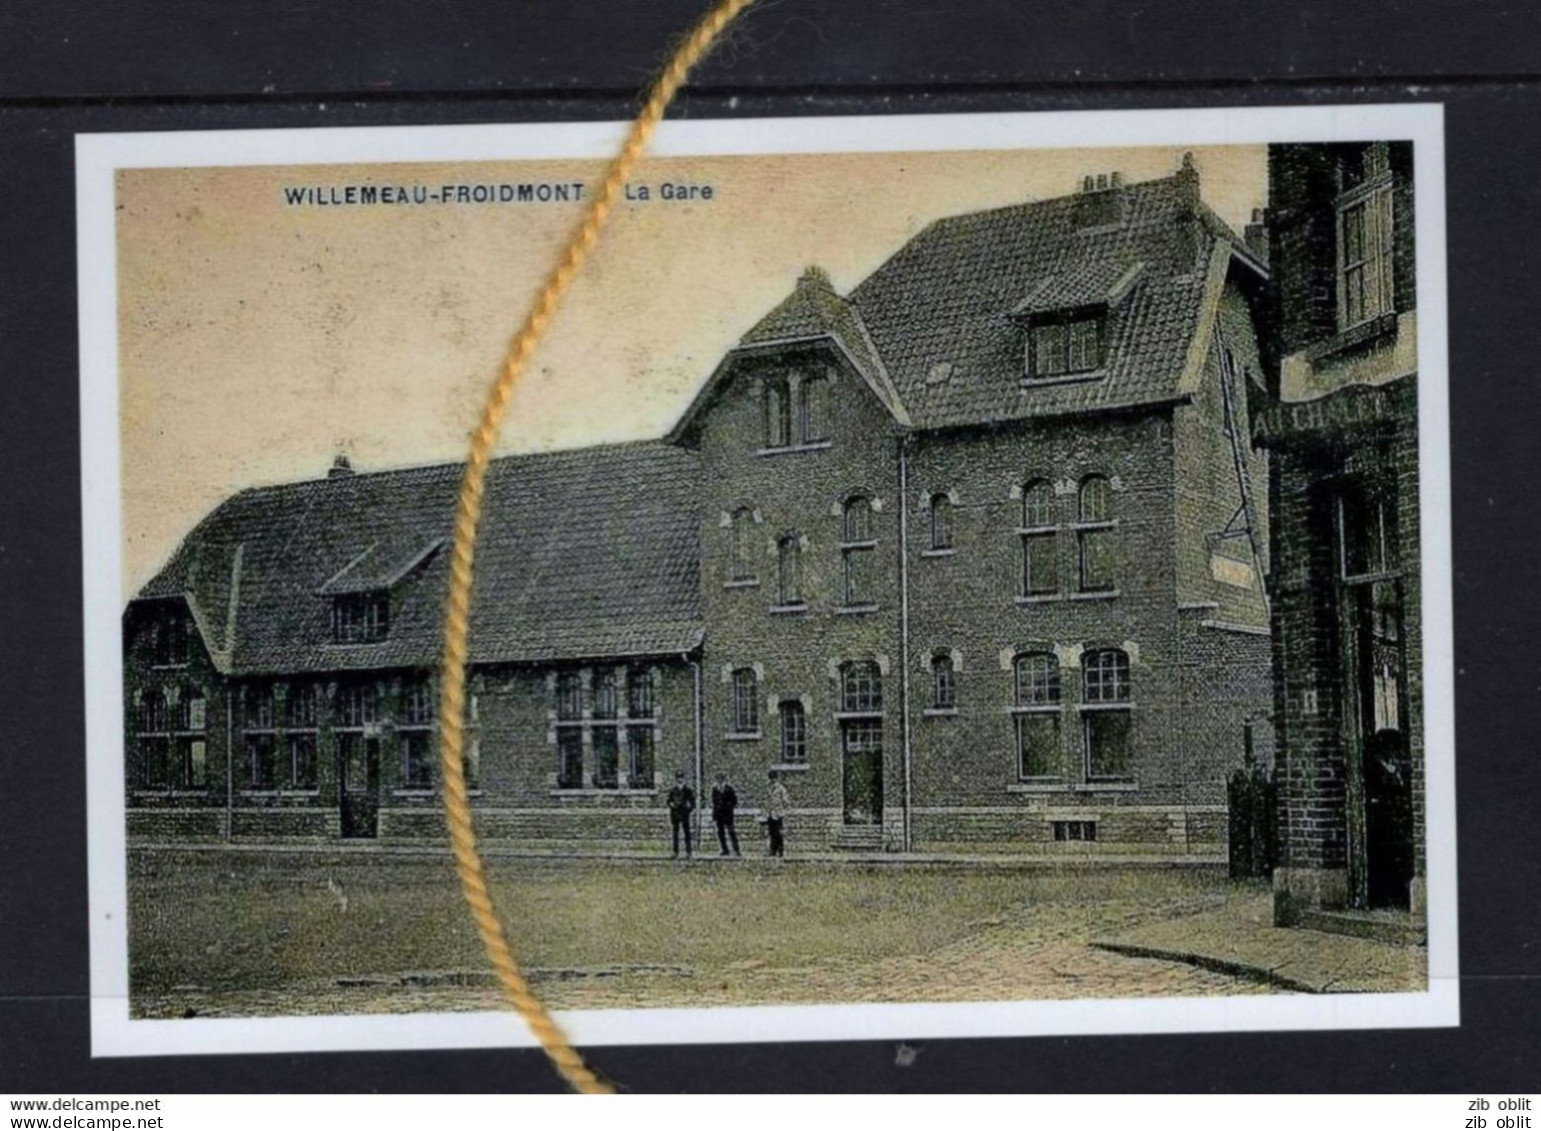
1385	766
358	782
862	746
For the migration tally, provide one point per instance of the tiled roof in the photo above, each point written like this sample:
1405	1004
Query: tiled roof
945	313
581	553
815	310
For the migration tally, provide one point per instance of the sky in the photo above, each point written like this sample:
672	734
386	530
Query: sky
259	338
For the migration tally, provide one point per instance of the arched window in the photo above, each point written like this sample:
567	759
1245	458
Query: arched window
1040	540
1036	712
743	545
861	687
1107	714
152	712
789	570
812	409
856	551
746	701
941	521
1095	536
794	731
943	683
778	413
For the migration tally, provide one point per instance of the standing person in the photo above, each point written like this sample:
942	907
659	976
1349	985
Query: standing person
682	803
776	802
724	805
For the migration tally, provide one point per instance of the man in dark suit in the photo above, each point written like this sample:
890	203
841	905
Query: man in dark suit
682	803
724	805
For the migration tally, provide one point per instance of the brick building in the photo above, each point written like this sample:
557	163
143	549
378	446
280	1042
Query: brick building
1342	435
967	555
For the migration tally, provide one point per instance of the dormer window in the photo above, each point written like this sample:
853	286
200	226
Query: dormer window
171	634
361	618
1065	347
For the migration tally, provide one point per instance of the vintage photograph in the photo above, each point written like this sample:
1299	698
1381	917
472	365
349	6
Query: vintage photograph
912	576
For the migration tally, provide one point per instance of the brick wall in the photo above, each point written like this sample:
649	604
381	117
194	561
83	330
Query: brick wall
797	654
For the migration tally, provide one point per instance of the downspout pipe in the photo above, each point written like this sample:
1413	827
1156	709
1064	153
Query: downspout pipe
700	745
904	629
229	763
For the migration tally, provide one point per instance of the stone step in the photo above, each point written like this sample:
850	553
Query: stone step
1395	927
858	838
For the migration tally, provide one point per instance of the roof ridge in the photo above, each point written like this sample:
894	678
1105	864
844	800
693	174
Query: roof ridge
428	469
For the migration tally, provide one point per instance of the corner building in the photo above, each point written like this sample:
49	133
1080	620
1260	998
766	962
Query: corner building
1347	595
973	557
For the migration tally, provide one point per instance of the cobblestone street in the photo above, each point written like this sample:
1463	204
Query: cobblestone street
906	941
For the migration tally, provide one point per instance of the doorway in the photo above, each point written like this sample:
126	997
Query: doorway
1385	856
358	784
862	764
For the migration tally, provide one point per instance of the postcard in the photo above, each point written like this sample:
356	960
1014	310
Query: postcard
950	575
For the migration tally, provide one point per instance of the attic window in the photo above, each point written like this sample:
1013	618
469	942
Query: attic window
361	618
1064	348
171	634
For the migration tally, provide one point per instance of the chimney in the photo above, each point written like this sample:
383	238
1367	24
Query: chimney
1188	181
1101	182
341	468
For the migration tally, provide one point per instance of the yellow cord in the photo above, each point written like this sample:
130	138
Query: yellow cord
457	809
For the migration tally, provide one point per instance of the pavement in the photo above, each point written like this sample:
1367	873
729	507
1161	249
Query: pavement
1241	941
1005	861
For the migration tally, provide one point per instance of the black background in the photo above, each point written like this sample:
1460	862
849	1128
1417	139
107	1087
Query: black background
140	65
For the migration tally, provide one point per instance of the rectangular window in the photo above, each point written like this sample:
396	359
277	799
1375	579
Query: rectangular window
1061	349
417	703
569	696
416	759
171	639
1075	830
1367	534
1107	745
357	705
155	762
569	752
261	762
302	760
606	699
639	694
360	618
607	758
1040	564
471	763
813	409
639	757
746	710
301	708
259	707
1365	257
794	732
192	760
1097	560
858	578
1038	746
